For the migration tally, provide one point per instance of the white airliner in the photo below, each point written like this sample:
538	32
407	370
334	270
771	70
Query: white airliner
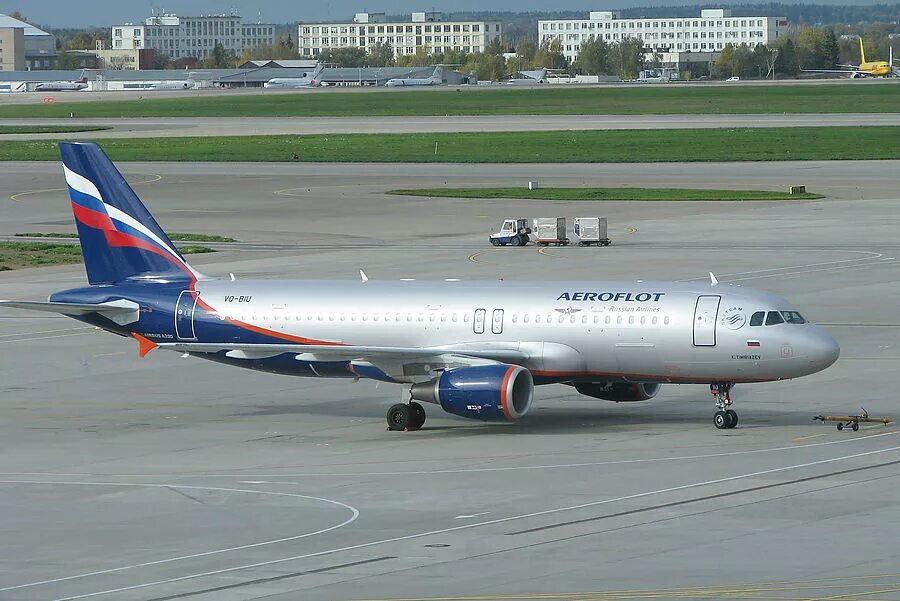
436	79
306	80
475	348
63	86
177	84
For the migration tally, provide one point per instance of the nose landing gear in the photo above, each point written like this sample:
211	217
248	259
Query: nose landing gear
725	418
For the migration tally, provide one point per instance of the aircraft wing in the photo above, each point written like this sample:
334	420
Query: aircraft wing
401	363
853	70
120	311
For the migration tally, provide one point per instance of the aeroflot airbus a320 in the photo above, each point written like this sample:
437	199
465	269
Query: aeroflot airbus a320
477	349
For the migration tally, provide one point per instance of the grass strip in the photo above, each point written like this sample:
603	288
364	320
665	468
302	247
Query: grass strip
174	236
49	129
637	146
21	255
593	194
547	100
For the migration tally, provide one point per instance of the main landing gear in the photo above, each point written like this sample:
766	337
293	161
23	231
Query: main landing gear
725	418
406	416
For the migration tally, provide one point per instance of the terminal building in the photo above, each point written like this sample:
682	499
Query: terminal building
425	30
676	40
30	48
191	37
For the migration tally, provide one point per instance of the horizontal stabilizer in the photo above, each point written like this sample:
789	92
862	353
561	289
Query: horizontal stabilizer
120	311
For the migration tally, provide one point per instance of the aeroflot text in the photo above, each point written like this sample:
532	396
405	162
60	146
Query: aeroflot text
628	297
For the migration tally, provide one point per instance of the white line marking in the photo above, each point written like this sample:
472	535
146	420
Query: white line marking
551	466
44	332
354	514
43	338
474	515
475	525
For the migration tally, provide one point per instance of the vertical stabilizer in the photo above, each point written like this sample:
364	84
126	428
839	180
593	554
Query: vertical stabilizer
119	237
862	51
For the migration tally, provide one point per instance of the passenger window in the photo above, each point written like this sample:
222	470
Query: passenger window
773	318
525	318
537	318
757	318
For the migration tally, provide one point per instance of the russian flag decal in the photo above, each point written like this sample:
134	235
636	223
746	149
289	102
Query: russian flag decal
753	343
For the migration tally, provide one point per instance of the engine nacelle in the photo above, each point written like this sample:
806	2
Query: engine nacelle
619	392
485	392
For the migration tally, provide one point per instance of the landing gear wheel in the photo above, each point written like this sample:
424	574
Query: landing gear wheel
400	417
725	418
720	419
418	415
732	417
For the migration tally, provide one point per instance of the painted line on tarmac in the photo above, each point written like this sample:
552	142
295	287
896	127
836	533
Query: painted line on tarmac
542	513
43	338
473	258
556	466
155	177
353	511
46	332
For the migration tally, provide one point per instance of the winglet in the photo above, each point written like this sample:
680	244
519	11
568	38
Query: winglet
712	279
145	345
362	274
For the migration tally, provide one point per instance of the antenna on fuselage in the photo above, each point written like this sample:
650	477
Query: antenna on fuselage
712	279
362	274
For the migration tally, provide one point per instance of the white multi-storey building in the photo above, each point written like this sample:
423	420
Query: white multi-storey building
670	37
426	30
182	37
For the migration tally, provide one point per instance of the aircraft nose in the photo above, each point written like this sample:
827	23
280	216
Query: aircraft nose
825	350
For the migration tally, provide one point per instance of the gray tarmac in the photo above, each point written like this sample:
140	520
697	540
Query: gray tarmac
270	126
171	478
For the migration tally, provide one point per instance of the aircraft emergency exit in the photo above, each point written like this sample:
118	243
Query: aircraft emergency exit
477	349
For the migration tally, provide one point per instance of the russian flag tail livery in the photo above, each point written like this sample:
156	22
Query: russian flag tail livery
120	239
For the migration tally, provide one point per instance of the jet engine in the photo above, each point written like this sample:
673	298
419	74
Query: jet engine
618	391
486	392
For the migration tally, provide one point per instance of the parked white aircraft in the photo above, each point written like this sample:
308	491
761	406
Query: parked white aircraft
183	84
306	80
63	86
436	79
476	348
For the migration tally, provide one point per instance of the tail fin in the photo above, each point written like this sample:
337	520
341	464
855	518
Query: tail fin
862	51
438	75
119	237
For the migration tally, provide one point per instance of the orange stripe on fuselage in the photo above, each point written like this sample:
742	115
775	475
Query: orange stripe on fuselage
263	331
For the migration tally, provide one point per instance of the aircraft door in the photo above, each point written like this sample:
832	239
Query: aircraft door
705	315
184	315
497	322
478	323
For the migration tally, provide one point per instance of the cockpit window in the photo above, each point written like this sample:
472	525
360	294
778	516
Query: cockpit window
757	318
792	317
774	318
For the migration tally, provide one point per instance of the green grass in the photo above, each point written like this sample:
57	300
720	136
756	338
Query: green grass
680	99
49	129
21	255
747	144
606	194
175	236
